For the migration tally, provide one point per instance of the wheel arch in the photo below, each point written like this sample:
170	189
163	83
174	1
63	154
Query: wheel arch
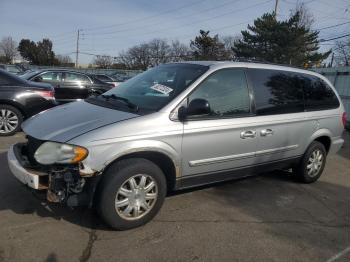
324	137
15	105
157	152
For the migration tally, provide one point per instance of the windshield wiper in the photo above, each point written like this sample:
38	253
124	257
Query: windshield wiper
125	100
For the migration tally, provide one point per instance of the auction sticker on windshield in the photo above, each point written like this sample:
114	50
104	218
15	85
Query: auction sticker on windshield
162	89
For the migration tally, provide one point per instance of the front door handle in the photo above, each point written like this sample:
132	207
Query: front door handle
266	132
248	134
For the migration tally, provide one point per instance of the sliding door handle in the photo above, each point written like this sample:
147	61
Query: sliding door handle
248	134
266	132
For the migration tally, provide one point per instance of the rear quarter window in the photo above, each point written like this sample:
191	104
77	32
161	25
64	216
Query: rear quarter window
318	94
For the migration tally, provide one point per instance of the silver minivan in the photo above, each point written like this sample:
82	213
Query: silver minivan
176	126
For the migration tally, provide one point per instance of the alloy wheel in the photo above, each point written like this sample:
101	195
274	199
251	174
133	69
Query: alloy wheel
314	163
8	121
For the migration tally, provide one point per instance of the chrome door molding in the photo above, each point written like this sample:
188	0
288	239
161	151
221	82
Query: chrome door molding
276	150
221	159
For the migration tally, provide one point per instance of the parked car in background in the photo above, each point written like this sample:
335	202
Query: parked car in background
14	69
121	78
21	99
107	79
69	85
177	126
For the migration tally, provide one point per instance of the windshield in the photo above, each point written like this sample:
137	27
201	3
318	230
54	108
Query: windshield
156	87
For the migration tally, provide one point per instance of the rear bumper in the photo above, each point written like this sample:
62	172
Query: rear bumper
28	177
336	145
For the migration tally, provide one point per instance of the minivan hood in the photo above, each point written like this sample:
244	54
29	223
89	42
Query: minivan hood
66	122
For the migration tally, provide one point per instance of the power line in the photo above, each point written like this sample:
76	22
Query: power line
334	38
210	29
144	18
157	23
332	26
199	21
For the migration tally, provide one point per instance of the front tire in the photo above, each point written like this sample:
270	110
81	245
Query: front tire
312	164
10	120
131	193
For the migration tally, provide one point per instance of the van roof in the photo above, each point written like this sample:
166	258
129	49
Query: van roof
223	64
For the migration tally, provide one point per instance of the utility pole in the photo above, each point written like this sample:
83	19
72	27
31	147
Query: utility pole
77	50
276	7
332	59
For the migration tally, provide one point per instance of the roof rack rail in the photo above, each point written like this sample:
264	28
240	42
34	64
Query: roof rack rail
253	60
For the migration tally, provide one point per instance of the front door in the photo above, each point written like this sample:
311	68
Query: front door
75	86
52	77
225	139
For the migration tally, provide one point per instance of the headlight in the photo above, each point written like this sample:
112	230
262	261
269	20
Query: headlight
57	153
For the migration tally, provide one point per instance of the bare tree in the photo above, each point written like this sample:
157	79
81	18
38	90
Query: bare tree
64	59
146	55
159	51
136	57
306	17
179	51
103	61
229	42
342	52
8	49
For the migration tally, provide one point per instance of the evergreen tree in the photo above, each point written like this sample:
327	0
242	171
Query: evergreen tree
205	47
286	42
39	53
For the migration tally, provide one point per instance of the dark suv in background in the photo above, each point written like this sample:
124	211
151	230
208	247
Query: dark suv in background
69	85
21	99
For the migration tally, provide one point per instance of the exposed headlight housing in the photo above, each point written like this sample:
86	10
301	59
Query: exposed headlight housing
57	153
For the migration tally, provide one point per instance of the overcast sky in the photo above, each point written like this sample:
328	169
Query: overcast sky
110	26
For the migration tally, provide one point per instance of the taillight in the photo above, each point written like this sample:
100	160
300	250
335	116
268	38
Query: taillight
48	95
344	119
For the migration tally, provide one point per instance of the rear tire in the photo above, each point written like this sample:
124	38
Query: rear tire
10	120
131	193
311	166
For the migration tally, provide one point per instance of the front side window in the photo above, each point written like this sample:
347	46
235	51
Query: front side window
155	88
50	76
276	92
227	93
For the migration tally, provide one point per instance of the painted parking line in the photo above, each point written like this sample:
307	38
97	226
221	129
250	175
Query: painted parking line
339	255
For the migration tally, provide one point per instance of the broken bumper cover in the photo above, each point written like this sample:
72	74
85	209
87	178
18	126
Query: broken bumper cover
26	176
64	185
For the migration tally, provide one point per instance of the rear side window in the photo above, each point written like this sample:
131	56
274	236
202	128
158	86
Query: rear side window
318	95
227	93
276	92
72	77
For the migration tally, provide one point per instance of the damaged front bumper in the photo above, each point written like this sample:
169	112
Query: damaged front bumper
70	185
32	178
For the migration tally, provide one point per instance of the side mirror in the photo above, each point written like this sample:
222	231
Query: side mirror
196	107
